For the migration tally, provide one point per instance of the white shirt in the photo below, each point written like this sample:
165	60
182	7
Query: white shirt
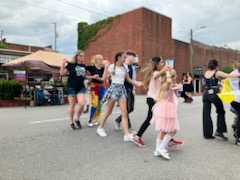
234	84
120	73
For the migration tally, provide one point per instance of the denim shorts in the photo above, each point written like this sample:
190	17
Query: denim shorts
73	91
116	97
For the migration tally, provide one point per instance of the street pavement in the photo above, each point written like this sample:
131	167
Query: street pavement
36	144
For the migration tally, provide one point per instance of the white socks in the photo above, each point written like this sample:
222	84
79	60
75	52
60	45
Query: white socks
165	141
158	142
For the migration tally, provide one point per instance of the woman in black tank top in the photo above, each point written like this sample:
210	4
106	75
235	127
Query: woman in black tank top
210	97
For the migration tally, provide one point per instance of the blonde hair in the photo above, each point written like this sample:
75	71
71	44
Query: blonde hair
93	61
164	85
74	58
95	58
236	65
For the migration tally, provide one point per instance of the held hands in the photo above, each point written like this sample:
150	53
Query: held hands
96	76
139	83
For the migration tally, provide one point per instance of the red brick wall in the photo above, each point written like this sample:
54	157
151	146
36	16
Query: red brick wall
149	34
181	57
203	53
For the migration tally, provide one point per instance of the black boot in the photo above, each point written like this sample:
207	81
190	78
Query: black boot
86	111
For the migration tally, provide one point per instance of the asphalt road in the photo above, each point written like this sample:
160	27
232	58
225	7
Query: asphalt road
36	144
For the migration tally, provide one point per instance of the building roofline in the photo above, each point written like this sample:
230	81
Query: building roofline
143	7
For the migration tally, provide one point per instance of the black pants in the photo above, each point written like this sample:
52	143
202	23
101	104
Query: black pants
146	123
210	98
236	106
130	106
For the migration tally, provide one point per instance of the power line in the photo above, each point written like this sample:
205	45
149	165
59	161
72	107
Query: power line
90	6
19	34
83	8
50	9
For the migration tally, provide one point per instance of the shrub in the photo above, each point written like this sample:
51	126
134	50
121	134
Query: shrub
10	89
60	84
227	69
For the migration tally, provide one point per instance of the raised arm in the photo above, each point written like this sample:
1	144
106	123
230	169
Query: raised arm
161	72
63	70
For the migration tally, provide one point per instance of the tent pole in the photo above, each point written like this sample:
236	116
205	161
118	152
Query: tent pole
25	94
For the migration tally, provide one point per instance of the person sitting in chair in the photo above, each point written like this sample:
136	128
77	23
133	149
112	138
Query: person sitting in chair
45	96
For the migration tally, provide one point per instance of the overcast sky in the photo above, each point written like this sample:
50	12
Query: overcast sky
31	22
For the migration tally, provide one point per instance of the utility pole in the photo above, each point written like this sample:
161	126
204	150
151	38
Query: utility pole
55	36
191	48
1	36
191	52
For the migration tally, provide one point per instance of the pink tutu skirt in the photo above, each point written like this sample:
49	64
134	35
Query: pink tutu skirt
165	116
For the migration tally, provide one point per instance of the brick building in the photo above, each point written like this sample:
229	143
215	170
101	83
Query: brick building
148	34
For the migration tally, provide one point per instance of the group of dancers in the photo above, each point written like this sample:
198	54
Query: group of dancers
159	81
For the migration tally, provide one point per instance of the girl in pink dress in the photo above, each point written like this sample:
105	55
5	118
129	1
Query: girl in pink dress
165	113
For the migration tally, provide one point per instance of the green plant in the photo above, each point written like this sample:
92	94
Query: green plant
10	89
3	46
227	69
88	33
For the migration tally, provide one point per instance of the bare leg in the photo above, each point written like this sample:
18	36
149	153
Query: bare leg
72	101
123	107
80	99
110	105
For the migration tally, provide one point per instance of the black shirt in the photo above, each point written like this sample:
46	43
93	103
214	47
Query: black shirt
93	71
127	84
77	73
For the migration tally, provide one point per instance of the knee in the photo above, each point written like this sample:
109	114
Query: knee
124	113
108	113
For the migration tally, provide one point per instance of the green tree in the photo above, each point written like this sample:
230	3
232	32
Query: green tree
227	69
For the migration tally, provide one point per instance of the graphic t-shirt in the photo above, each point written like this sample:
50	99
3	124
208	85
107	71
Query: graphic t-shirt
77	73
93	71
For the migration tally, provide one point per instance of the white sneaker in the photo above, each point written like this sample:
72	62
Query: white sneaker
101	132
95	124
90	124
163	153
156	153
128	137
